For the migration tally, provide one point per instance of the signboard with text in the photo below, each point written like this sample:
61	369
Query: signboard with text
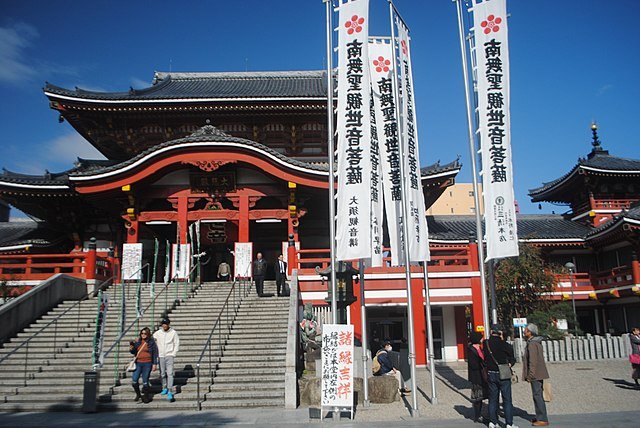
337	365
131	262
242	259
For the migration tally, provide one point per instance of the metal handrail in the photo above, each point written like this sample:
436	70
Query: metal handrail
207	344
25	343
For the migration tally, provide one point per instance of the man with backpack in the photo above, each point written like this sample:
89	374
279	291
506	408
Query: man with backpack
383	366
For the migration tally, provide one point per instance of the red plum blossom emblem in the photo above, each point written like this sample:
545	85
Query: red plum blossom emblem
491	24
354	25
403	44
381	64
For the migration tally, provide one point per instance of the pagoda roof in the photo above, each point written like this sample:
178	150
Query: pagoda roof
598	162
169	86
51	181
629	217
17	235
435	170
531	228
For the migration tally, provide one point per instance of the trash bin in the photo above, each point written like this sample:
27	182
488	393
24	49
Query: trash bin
90	393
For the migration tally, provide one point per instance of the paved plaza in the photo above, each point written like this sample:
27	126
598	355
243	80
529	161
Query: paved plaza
598	393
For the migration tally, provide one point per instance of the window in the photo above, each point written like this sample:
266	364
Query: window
471	193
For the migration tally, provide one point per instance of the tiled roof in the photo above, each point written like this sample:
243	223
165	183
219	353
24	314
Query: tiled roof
238	85
530	226
32	233
436	168
54	179
600	160
631	214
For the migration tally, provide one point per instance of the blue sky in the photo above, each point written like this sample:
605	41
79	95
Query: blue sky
571	62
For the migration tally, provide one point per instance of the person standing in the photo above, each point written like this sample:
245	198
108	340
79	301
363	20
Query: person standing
281	274
634	358
259	271
224	271
477	374
146	352
534	371
497	351
168	343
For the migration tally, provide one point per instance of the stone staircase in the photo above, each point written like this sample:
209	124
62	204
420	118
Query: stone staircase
249	372
60	354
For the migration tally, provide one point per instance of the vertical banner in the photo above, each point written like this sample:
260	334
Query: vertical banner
181	258
353	214
494	127
131	262
101	322
337	365
381	70
242	252
416	215
376	192
167	262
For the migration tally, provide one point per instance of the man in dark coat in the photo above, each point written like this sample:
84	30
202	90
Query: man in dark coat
259	270
534	371
281	274
497	351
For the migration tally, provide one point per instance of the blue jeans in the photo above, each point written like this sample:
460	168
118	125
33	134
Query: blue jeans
143	369
497	387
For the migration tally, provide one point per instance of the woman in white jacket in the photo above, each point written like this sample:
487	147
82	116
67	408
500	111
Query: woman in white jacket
168	343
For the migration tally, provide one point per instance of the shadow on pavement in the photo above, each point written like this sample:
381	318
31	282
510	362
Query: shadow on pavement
622	384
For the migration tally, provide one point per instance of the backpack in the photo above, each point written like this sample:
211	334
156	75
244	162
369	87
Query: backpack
375	367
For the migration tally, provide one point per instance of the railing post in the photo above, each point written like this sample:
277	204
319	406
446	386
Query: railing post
55	337
26	359
90	265
198	385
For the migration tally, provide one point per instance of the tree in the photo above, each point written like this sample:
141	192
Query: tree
521	283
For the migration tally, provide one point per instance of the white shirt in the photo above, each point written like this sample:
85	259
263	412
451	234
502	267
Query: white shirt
168	342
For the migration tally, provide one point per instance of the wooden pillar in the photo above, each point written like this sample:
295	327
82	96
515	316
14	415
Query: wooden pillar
419	321
183	222
132	232
635	268
461	331
476	289
354	312
243	225
90	260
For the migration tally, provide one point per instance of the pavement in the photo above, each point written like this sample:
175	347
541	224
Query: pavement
597	393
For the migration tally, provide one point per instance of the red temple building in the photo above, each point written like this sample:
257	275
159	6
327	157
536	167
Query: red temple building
245	155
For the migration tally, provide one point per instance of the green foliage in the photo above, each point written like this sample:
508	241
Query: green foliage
520	284
544	319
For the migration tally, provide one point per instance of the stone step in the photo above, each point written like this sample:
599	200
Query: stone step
235	403
237	373
245	394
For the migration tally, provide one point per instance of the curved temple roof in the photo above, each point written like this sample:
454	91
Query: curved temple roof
208	86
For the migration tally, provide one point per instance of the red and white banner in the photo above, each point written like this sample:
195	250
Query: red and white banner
494	127
337	365
416	216
353	213
376	192
386	124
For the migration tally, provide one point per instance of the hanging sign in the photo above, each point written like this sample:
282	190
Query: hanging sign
494	127
353	213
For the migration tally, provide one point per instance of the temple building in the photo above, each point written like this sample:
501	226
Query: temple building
244	156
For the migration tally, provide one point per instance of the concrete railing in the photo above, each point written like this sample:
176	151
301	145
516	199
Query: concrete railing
293	346
581	348
22	311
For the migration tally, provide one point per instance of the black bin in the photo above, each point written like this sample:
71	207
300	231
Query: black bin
90	393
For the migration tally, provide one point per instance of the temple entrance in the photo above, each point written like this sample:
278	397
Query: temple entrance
267	236
217	239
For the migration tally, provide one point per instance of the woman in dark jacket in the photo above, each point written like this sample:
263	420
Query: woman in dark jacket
477	374
146	352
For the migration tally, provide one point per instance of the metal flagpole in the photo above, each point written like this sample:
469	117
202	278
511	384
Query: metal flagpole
365	356
405	228
432	359
474	171
331	152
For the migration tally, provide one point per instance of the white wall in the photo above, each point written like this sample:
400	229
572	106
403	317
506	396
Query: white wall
450	352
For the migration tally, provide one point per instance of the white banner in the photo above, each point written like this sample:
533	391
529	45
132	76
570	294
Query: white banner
242	253
337	365
494	127
181	261
381	69
101	322
131	262
416	215
353	213
376	192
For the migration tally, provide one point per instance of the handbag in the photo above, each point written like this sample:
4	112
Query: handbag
547	395
634	358
503	369
131	367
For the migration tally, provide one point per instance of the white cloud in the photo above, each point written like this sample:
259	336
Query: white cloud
65	149
604	89
14	40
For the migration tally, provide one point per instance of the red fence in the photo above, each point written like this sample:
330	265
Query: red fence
24	267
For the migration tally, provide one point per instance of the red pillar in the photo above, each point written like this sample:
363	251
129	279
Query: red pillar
635	269
90	260
461	331
132	232
476	289
355	313
419	321
292	258
243	225
183	222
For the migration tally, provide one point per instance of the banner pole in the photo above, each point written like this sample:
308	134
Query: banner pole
331	153
365	356
474	170
432	360
405	228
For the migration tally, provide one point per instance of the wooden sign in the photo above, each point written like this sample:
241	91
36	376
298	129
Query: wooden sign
337	365
131	262
242	259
